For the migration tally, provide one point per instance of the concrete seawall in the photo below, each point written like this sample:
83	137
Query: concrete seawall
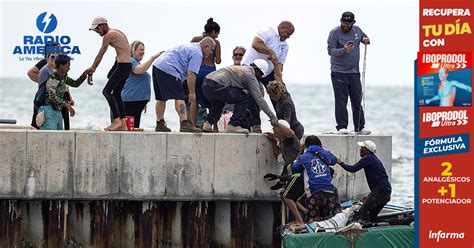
99	189
157	166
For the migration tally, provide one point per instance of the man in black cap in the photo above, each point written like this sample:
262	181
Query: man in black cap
343	47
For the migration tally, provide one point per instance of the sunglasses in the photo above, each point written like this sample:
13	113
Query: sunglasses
238	54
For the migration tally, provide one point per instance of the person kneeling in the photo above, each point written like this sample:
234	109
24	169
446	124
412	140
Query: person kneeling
321	193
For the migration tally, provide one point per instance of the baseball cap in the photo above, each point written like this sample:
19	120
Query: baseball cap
369	144
348	17
98	20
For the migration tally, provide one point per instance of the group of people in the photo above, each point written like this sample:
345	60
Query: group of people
306	182
240	86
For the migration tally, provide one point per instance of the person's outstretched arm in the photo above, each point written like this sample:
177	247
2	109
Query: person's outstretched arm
142	68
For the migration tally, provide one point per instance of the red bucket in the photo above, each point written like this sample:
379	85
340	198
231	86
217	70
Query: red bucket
130	121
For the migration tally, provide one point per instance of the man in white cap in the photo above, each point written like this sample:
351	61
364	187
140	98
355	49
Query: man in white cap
119	72
377	179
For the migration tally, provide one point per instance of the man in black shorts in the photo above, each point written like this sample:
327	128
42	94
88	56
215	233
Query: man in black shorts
119	72
289	146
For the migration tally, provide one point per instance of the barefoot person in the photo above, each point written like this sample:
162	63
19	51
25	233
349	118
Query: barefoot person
119	72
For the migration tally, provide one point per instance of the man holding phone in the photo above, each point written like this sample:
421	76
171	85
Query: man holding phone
343	47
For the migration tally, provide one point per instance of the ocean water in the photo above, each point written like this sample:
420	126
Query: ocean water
388	111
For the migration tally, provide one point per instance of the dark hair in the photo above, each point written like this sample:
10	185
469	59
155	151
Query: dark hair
312	140
239	47
61	59
211	25
50	48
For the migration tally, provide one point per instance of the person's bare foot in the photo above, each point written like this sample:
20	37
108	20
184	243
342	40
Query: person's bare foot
115	126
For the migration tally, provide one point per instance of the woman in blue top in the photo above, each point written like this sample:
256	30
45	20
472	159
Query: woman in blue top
136	92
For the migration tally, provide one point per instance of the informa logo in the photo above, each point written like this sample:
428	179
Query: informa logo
33	47
46	22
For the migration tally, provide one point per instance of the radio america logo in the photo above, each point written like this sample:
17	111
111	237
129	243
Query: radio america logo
46	23
446	118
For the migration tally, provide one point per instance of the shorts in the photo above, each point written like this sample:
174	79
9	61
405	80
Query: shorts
320	206
52	118
294	189
166	87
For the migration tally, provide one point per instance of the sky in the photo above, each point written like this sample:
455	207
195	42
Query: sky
391	25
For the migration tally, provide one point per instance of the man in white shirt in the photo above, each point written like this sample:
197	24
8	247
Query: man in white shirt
268	44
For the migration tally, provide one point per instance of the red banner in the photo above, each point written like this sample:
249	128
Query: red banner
444	128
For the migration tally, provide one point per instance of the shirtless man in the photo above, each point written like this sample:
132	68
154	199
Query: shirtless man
447	89
119	72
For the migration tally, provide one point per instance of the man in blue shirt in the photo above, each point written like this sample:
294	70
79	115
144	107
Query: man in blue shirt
377	179
169	71
343	47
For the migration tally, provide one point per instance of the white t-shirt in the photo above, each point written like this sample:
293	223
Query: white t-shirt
271	39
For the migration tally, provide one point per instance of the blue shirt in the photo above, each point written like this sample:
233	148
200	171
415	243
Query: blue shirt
315	164
179	60
44	74
341	62
374	172
137	87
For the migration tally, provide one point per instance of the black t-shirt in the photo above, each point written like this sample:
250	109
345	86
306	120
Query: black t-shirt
290	148
286	108
40	64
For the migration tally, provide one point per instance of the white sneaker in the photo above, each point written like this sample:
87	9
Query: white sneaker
364	132
207	127
343	131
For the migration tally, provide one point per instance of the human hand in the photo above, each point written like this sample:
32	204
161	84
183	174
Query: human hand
71	102
338	161
273	121
271	177
348	48
157	55
89	79
71	110
366	40
88	71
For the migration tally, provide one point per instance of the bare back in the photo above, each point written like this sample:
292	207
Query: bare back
119	41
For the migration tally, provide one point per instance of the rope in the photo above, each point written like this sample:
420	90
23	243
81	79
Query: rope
363	75
364	63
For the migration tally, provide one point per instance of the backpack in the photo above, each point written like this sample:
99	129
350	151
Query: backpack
40	96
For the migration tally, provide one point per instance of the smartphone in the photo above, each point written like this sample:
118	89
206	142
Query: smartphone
350	43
